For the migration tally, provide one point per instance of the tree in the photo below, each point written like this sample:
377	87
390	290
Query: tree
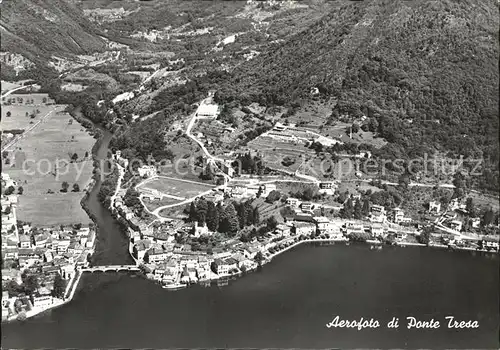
76	188
86	154
230	222
64	186
7	210
470	207
271	223
425	235
59	287
242	217
358	210
256	216
488	217
20	190
355	128
74	157
259	258
348	210
30	283
193	214
5	154
259	192
373	125
207	173
9	190
9	114
366	207
212	217
273	196
201	209
360	236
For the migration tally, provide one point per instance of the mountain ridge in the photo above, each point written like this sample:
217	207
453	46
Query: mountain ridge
45	28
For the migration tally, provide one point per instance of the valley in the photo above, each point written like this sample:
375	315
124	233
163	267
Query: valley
191	143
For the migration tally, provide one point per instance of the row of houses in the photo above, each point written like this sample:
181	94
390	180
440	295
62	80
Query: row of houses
378	214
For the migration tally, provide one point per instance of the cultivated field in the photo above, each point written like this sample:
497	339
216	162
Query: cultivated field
176	187
33	162
267	210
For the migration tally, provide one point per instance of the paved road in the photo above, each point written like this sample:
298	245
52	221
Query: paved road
14	90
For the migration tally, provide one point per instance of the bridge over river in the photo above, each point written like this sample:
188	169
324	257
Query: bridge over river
111	268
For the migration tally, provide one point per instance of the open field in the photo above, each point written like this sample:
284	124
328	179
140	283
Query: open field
155	204
176	187
51	143
18	118
52	209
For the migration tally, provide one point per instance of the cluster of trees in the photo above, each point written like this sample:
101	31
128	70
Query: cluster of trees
250	164
388	198
180	99
59	287
358	210
228	218
131	200
226	116
108	188
65	187
9	190
268	225
28	286
145	139
307	193
287	161
425	235
273	196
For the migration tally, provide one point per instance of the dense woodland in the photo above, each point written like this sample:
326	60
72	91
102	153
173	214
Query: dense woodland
426	71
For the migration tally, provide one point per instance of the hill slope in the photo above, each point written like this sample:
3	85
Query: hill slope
432	61
44	28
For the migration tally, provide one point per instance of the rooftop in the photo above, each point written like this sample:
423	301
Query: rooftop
207	109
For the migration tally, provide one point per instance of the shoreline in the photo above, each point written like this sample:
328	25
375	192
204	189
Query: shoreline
75	281
89	187
94	181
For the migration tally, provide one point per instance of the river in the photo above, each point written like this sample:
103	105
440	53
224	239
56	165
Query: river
286	304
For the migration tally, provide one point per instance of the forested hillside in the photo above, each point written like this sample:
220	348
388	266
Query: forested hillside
43	28
426	69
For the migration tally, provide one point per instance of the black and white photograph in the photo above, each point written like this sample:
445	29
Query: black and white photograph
250	174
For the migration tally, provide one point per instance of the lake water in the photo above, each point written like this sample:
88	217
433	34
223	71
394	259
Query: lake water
286	304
